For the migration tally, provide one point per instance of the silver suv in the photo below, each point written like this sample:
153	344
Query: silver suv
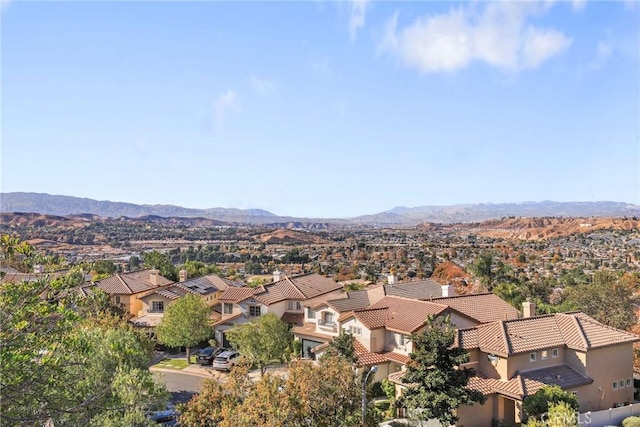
225	360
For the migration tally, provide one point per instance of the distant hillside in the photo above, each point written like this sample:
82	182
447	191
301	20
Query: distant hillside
292	237
547	228
483	212
68	205
400	216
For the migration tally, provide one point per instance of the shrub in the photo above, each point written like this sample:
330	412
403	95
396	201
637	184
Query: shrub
631	422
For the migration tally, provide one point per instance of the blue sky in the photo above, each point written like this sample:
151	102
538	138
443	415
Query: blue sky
322	109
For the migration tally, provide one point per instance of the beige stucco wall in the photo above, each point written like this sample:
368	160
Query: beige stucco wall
147	301
130	302
476	415
606	365
521	362
462	322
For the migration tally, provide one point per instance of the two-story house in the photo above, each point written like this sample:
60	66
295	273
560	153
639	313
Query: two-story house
515	358
284	297
126	289
321	314
154	302
383	329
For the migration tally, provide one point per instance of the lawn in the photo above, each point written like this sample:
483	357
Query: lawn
177	364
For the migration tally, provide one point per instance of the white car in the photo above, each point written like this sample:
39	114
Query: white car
225	360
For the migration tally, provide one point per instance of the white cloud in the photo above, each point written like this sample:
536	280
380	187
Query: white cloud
263	86
578	5
357	17
226	103
603	53
494	33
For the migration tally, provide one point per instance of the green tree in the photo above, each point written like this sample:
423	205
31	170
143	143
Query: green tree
344	345
160	262
436	386
133	263
540	402
482	268
608	299
261	341
185	323
63	363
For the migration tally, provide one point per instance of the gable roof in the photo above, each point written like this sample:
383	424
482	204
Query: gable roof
298	288
398	314
131	283
574	330
483	308
233	294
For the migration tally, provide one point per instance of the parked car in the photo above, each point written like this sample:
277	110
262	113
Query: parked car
206	355
167	417
225	360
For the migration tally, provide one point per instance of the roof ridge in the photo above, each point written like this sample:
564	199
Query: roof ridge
464	296
585	340
505	337
124	283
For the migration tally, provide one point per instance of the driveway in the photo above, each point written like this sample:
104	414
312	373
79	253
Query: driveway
181	385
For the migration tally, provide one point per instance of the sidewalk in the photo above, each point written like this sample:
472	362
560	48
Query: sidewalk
208	371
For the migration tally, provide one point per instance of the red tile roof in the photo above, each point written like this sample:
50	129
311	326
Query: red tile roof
367	358
398	314
574	330
131	283
238	294
483	308
294	319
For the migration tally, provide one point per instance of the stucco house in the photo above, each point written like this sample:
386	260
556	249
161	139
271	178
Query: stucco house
154	302
284	297
125	289
514	358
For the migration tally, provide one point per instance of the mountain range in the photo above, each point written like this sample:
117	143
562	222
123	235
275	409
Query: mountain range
400	216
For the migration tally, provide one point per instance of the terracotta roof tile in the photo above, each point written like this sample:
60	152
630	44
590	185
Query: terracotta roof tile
131	283
238	294
290	318
483	308
399	314
575	330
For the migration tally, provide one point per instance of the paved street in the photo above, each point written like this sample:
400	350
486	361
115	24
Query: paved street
181	386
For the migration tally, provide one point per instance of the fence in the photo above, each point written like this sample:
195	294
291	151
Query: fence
609	417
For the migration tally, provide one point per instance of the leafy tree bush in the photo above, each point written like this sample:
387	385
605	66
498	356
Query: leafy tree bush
631	422
540	402
435	384
185	323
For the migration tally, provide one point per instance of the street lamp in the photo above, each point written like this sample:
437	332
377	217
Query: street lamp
374	368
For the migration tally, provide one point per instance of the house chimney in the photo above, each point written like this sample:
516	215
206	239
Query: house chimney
448	291
528	308
182	275
391	279
153	277
277	275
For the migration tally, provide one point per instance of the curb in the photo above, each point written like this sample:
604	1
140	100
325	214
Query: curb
181	371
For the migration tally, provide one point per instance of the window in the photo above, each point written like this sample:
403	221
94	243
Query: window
157	306
532	357
354	330
254	311
227	308
615	385
311	313
628	381
400	340
543	355
621	384
327	318
117	299
554	352
294	305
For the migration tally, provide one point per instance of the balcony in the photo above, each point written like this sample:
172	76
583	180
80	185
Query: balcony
328	325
